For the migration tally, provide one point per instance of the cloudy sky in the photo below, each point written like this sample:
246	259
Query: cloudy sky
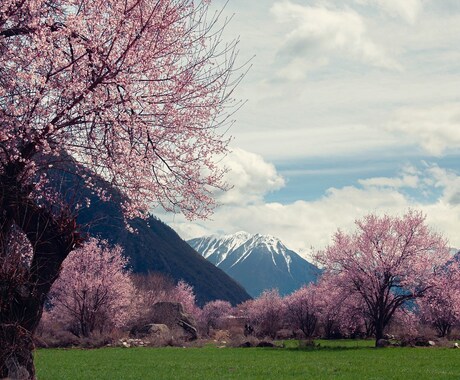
353	106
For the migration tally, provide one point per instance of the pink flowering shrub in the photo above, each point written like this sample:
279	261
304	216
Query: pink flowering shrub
440	307
94	290
265	313
213	313
302	310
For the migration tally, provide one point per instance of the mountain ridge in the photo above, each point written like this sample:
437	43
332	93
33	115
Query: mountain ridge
151	246
258	262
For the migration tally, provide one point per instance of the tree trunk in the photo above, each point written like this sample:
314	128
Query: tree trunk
20	314
19	321
23	289
379	328
16	358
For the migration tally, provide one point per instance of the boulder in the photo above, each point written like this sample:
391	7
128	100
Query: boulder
245	344
151	330
265	344
382	343
421	342
159	330
172	315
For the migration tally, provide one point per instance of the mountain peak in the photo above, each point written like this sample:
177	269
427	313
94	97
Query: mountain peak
265	261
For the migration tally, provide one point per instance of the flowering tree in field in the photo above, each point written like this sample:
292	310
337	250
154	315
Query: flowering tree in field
387	262
149	289
265	313
184	294
213	312
94	290
339	311
302	310
157	287
405	323
133	91
440	307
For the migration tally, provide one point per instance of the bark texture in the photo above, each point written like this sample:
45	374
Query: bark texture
25	285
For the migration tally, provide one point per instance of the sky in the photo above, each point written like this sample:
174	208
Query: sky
353	107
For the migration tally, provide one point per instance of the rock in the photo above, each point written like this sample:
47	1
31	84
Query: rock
420	342
382	343
159	330
265	344
155	330
188	328
407	343
130	342
245	344
172	315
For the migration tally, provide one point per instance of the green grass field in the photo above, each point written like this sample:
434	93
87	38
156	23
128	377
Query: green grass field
332	360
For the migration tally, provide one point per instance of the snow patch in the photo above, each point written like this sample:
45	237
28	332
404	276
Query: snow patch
239	246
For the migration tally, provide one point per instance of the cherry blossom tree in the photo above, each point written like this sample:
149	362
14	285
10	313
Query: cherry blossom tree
339	311
265	313
157	287
440	307
149	289
405	324
302	310
94	291
184	294
137	92
387	262
213	312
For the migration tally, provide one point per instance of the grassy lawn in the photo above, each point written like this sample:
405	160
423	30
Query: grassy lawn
332	360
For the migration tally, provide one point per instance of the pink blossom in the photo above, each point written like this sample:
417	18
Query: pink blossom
387	262
94	290
265	313
213	313
440	306
302	309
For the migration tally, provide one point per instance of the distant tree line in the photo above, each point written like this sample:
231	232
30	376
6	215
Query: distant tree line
390	274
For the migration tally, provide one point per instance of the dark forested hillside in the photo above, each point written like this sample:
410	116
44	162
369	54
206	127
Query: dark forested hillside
153	247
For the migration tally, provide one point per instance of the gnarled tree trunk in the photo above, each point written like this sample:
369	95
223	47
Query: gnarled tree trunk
24	286
16	348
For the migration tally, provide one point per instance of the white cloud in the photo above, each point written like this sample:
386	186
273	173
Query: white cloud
317	141
314	91
435	128
408	10
251	177
306	99
303	225
448	181
317	33
407	179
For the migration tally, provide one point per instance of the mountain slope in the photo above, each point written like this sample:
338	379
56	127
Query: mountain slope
154	247
258	262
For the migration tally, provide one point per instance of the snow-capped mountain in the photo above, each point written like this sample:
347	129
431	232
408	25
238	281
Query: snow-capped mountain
258	262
